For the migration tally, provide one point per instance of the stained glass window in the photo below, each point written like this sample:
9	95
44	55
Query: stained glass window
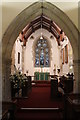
42	54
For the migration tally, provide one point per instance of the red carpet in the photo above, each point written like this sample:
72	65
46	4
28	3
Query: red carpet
40	98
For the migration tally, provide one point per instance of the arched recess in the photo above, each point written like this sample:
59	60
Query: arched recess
49	47
26	16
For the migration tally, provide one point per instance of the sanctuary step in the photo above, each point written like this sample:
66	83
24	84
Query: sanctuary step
39	114
41	83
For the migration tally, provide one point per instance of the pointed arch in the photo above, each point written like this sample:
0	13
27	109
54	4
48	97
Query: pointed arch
26	16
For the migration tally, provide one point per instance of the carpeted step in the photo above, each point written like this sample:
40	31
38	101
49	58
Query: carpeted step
41	81
41	85
39	114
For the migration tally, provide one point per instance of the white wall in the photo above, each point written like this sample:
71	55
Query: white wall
18	48
67	67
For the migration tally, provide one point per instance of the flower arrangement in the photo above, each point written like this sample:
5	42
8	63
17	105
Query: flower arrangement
17	79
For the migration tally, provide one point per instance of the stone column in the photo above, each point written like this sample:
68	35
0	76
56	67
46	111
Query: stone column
6	87
13	60
76	88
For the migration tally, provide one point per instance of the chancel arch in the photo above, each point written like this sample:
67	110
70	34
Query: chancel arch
23	19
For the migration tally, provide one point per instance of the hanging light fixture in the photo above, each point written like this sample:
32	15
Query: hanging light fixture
41	37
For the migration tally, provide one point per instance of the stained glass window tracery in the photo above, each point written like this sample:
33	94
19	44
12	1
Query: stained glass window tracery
42	54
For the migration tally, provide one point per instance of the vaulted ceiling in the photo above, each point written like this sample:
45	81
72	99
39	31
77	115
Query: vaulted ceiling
38	23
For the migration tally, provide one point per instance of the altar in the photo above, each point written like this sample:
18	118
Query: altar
42	75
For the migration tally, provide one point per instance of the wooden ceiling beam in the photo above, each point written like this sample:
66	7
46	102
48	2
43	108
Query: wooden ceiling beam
38	26
51	24
46	24
42	20
36	20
